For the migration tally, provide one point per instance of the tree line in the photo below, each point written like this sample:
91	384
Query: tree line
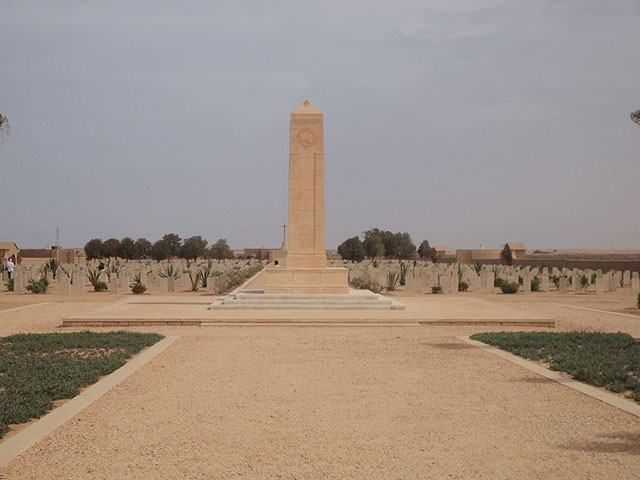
379	243
169	246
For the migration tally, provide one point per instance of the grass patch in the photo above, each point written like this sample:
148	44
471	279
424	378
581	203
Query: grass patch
609	360
38	368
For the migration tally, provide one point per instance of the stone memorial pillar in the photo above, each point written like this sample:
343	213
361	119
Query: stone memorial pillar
65	284
545	283
306	270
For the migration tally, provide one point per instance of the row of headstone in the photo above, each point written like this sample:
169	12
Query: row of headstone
423	275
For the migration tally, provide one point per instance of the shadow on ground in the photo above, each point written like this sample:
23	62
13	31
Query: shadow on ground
622	442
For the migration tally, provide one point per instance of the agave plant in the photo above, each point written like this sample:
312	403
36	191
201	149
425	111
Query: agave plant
404	269
43	270
375	263
205	273
169	271
194	278
94	279
53	267
137	287
392	281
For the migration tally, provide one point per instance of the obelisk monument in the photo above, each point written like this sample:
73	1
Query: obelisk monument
306	189
306	266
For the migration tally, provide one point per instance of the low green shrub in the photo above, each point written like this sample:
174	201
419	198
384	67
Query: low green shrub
498	282
38	286
584	281
38	369
463	286
436	289
100	287
535	284
509	287
363	284
10	283
609	360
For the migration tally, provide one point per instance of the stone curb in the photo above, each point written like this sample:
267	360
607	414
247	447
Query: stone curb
15	445
627	315
613	400
15	309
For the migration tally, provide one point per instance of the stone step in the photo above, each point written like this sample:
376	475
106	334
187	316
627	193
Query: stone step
306	306
346	301
305	296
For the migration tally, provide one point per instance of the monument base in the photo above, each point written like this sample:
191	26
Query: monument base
306	280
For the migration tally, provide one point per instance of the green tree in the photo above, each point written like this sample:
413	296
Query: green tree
194	247
127	248
352	249
160	251
93	249
373	244
220	250
174	242
405	248
505	255
142	248
426	251
111	248
391	244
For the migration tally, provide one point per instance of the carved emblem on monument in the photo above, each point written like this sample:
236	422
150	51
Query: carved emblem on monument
306	138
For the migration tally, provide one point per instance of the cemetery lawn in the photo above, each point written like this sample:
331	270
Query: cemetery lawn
38	368
609	360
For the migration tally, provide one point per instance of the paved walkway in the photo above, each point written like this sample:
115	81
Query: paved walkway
343	402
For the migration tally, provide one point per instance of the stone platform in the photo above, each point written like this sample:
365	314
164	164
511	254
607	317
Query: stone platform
179	310
258	300
306	281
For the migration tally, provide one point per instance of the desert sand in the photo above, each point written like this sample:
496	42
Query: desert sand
335	402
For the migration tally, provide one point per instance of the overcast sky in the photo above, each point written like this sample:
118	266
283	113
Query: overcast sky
458	121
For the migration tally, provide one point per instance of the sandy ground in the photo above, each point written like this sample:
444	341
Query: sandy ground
335	402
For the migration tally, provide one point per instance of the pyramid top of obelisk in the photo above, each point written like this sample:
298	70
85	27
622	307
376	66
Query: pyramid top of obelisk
306	108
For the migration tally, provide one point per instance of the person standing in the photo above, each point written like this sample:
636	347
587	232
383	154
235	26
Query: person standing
10	267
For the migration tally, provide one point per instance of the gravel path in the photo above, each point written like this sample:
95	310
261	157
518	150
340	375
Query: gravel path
332	402
391	402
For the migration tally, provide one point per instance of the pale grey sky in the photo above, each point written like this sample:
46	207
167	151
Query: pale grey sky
458	121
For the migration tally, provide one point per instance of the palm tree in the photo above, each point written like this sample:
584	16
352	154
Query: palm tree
4	127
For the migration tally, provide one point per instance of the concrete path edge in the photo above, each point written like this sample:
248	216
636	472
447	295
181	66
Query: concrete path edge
609	398
15	445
